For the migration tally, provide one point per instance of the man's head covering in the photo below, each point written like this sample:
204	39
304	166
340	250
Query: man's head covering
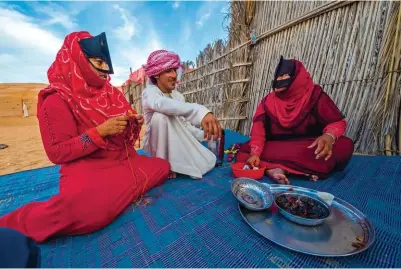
160	61
284	67
92	99
97	47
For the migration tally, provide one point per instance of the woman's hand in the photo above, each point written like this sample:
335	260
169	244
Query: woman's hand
113	126
211	127
253	161
139	119
324	145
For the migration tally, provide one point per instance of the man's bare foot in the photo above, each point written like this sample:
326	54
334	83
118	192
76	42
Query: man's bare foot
278	175
172	174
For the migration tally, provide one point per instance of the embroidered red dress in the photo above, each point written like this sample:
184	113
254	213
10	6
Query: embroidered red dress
285	124
99	177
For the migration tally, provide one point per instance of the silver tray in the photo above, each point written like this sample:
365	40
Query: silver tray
333	238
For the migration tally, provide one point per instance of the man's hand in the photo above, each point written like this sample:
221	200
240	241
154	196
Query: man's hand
113	126
211	127
253	161
324	145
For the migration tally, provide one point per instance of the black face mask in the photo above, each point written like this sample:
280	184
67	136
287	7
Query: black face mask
96	47
284	67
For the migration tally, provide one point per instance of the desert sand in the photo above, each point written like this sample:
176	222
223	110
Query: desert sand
25	150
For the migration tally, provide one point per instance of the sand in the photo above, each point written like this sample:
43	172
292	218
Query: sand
25	150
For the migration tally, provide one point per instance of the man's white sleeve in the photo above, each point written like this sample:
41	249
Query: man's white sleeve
194	113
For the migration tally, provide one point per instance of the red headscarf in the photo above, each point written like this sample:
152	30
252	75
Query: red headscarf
92	100
290	107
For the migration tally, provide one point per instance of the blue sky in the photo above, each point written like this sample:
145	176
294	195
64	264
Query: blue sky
31	33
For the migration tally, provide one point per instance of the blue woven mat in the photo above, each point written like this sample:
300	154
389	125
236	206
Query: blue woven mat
196	223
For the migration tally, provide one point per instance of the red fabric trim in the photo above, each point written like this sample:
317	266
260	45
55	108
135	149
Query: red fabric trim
257	138
336	128
94	135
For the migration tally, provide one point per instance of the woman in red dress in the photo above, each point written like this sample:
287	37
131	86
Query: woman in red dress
88	128
297	129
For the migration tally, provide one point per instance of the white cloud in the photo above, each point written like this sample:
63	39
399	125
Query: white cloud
120	75
20	31
128	29
27	49
134	54
137	55
58	15
203	19
176	4
186	33
7	58
207	10
25	58
24	72
225	9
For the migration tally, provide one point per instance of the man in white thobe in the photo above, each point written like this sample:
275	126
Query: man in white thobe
172	131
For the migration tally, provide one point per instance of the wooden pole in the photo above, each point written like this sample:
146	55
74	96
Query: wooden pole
390	83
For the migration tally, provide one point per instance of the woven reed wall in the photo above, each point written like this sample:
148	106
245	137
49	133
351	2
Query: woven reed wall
352	49
221	78
133	93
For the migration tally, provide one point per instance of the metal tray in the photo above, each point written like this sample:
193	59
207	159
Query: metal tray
333	238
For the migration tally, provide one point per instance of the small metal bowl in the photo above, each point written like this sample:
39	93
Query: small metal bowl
302	220
252	194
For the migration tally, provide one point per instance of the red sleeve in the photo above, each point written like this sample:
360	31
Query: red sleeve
336	128
59	132
330	116
258	137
